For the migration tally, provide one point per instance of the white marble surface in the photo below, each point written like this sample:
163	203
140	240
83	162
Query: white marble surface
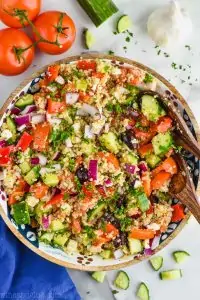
141	49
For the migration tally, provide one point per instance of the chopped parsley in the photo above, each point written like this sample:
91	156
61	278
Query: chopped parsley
71	165
159	51
130	33
128	39
59	136
115	292
114	108
89	231
148	78
110	52
78	184
174	66
188	47
125	222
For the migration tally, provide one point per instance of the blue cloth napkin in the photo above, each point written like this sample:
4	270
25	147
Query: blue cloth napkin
24	275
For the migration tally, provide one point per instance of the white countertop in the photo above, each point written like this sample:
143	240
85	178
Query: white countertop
141	49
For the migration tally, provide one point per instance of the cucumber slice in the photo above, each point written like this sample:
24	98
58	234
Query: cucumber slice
61	239
97	212
171	274
152	160
25	167
46	237
151	108
143	292
12	127
124	23
156	262
106	254
89	38
50	179
122	280
135	246
98	10
180	256
143	202
72	246
57	225
110	142
32	175
24	101
21	213
162	142
99	276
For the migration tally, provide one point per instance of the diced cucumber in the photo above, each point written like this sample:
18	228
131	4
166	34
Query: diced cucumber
109	141
21	213
50	179
162	142
89	38
32	176
46	237
25	167
151	108
106	254
81	85
135	246
72	246
40	209
12	127
124	24
24	101
97	212
99	276
129	158
98	10
180	256
87	148
171	274
152	160
57	225
143	201
61	239
156	262
122	280
143	292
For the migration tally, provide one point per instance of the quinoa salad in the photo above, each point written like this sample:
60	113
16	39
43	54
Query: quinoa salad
86	159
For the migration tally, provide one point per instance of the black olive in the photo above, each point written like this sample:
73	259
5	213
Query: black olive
82	174
120	240
127	137
120	201
108	217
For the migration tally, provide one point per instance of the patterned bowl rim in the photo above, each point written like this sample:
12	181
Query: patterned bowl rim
196	128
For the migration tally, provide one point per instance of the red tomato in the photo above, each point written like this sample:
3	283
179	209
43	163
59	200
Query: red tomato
24	141
39	190
12	42
8	7
55	106
5	158
40	136
52	72
55	200
86	65
52	25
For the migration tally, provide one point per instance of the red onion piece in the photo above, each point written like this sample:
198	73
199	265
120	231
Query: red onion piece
143	166
15	110
56	155
87	109
35	160
45	222
154	243
42	159
22	120
92	172
130	168
38	118
148	252
134	113
108	182
28	109
71	98
3	143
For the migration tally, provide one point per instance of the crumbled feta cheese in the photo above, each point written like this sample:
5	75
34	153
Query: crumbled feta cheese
88	134
6	134
67	208
52	88
59	79
153	226
97	126
32	201
146	244
68	143
137	184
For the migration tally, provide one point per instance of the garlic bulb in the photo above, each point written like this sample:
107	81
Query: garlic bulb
169	25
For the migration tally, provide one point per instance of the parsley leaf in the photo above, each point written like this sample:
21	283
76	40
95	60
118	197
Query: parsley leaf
148	78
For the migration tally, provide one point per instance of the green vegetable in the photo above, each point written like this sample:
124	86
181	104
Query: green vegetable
61	239
81	85
46	237
148	78
152	160
156	262
57	225
25	167
171	274
12	127
162	143
106	254
135	246
143	201
21	213
89	39
125	222
57	137
122	280
124	24
99	276
109	141
72	246
24	101
180	256
97	212
32	176
143	292
151	108
50	179
98	10
129	158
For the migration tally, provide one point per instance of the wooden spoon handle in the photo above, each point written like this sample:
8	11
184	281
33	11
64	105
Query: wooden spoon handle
188	144
187	197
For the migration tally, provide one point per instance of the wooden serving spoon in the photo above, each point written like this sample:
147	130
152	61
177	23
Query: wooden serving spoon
182	188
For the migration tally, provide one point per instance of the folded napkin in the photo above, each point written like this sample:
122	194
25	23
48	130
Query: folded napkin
25	275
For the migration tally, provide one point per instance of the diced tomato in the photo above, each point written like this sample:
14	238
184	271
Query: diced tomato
135	80
24	141
55	106
145	150
109	228
52	72
178	213
142	234
5	158
110	157
168	165
159	180
87	65
84	97
144	136
14	197
40	136
98	75
88	189
76	226
143	121
164	124
21	186
150	210
170	152
39	190
101	190
107	235
146	182
55	200
100	241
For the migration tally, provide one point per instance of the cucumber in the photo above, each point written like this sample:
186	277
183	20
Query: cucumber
171	274
135	246
46	237
97	212
57	225
152	160
21	213
99	276
61	239
87	148
40	209
122	280
12	127
72	246
180	256
89	38
109	141
151	108
32	176
106	254
81	85
24	101
143	202
25	167
143	292
162	142
98	10
50	179
129	158
156	262
124	24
